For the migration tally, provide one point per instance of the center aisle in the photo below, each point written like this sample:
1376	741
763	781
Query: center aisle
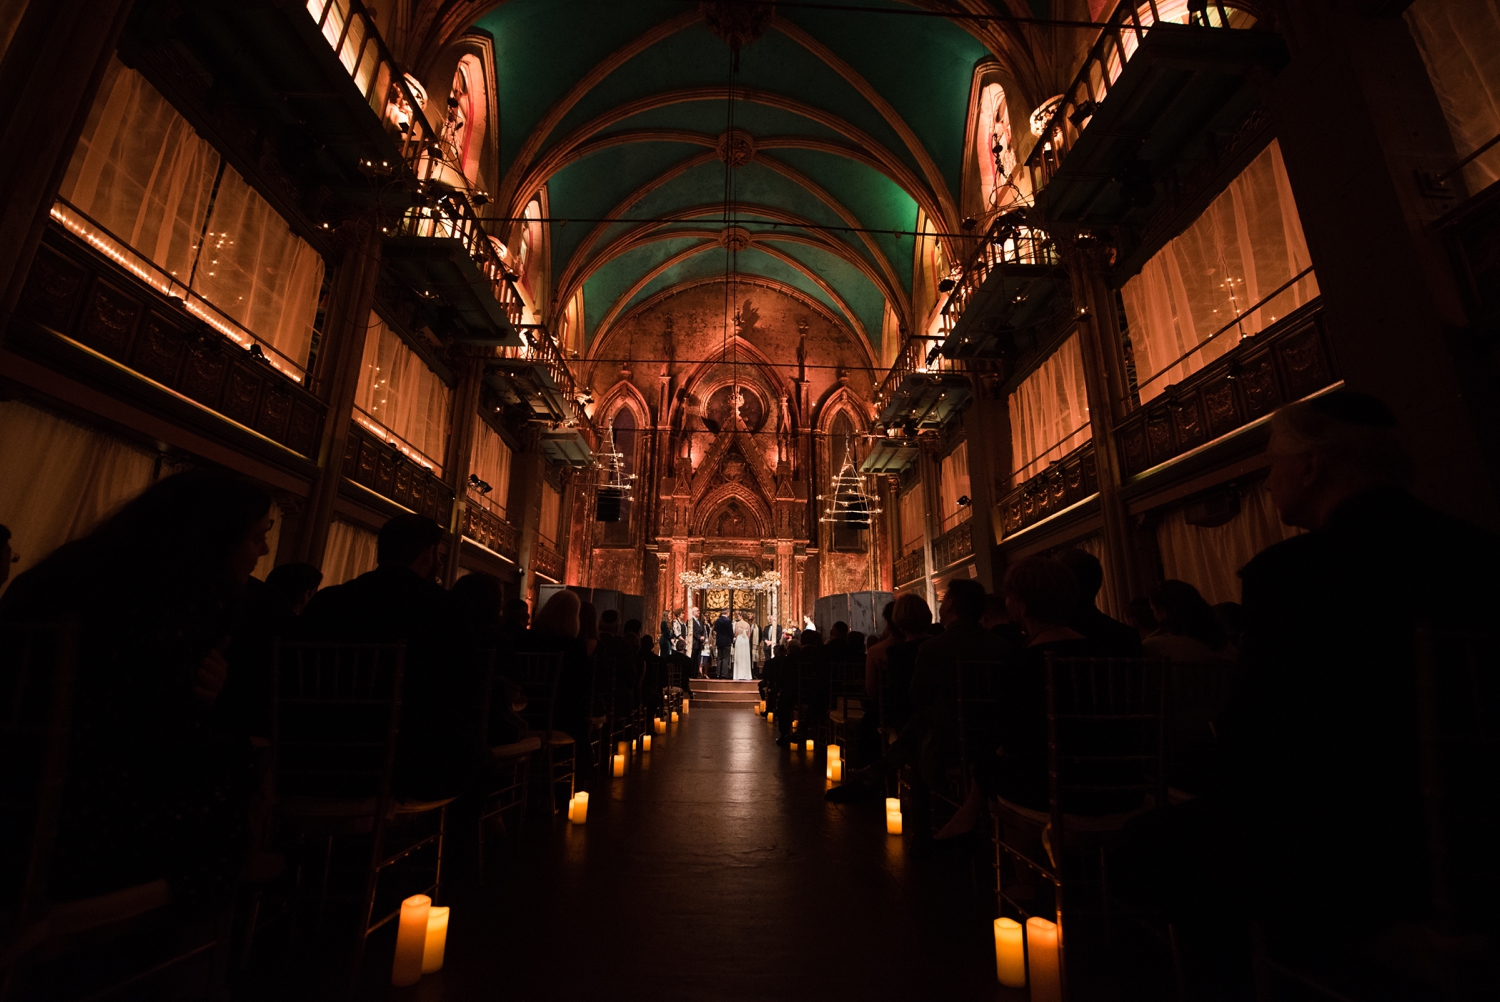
715	870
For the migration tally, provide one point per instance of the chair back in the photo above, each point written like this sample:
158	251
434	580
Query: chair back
846	683
1458	699
1105	735
36	703
537	676
978	711
337	716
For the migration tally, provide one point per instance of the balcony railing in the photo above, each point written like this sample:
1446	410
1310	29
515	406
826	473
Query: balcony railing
1006	243
1285	362
1071	479
953	546
89	288
490	530
1117	44
547	561
910	360
909	567
451	216
384	469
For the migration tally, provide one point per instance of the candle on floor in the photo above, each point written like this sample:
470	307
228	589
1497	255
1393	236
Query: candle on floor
645	742
809	744
622	748
762	707
674	716
619	765
661	725
686	702
1041	954
893	822
893	804
770	716
1010	953
580	812
572	803
836	769
437	939
633	743
411	940
795	722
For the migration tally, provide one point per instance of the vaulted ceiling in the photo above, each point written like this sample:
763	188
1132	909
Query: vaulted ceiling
618	110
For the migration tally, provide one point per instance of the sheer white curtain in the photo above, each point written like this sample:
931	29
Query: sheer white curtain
350	552
1210	557
913	524
491	463
402	396
260	273
142	173
1106	599
1460	42
954	484
61	478
1247	244
551	514
1049	413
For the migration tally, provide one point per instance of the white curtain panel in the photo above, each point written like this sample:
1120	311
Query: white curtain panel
551	527
403	396
1460	42
349	553
1106	600
1049	413
61	479
491	464
913	527
954	484
1210	558
259	272
1247	244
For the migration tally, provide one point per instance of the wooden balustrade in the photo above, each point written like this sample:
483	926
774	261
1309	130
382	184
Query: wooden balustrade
1071	479
545	560
384	469
1285	362
909	567
953	545
490	530
75	291
1006	243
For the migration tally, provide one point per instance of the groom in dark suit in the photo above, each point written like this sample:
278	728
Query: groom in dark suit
724	639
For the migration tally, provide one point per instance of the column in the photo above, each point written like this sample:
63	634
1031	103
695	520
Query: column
986	415
465	408
49	75
351	297
927	469
526	498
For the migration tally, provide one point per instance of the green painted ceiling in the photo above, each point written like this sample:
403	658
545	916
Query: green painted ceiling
858	136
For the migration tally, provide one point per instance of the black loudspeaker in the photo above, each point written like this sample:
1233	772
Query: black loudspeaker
610	503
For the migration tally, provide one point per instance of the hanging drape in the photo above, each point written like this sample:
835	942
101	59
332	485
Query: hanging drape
350	552
1049	413
142	173
491	464
1247	244
953	484
1460	43
1210	557
1106	602
255	269
551	514
61	478
913	528
404	397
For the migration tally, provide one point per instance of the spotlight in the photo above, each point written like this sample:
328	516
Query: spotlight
968	224
946	285
963	502
1083	113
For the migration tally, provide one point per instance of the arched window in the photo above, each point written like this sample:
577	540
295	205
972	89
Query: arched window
617	533
845	536
468	108
994	149
528	259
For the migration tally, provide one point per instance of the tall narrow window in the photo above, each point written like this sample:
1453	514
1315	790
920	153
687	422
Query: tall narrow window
617	533
953	488
913	520
1049	413
550	525
1236	270
848	534
994	149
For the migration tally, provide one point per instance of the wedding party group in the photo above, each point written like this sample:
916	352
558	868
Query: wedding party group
729	646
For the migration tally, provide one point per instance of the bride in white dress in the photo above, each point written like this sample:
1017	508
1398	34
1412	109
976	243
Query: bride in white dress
741	651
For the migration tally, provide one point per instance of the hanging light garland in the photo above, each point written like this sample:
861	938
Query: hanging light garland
849	501
718	577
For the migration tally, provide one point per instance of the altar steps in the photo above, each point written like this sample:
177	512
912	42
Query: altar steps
721	692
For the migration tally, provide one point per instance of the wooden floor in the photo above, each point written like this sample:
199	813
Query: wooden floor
714	870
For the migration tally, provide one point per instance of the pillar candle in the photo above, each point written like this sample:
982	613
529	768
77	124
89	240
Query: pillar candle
795	722
893	822
836	770
645	742
572	803
633	743
661	725
893	804
580	813
686	702
674	716
1041	955
834	751
622	748
437	939
763	706
1010	953
809	744
770	716
619	765
411	940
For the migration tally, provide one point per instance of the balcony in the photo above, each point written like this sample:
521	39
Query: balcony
442	250
1286	362
1148	105
1071	479
490	530
921	390
153	342
384	468
909	567
1007	286
546	561
889	455
953	545
339	103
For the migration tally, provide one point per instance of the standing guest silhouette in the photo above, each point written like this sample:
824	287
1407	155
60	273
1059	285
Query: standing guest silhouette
724	641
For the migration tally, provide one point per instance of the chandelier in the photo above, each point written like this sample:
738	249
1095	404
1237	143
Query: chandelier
848	499
714	578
